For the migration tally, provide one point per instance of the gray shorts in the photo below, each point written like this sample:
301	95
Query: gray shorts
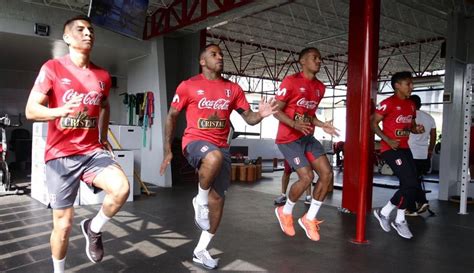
297	152
65	173
197	150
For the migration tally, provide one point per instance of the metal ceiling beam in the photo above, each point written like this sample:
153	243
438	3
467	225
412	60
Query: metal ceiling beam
181	14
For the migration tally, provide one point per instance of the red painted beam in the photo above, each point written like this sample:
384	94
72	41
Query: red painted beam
364	22
179	14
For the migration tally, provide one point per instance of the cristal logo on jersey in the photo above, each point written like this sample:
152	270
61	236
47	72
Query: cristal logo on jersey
382	107
281	92
302	117
402	132
219	104
302	89
80	121
308	104
200	92
212	122
91	98
404	119
175	99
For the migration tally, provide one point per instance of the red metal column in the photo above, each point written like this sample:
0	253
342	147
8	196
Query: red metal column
361	90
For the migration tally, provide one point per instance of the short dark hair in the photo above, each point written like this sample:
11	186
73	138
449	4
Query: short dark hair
400	76
306	51
416	99
76	18
203	50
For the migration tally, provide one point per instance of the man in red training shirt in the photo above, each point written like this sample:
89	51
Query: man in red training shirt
209	100
71	93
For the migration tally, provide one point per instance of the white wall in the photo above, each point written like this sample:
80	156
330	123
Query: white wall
148	74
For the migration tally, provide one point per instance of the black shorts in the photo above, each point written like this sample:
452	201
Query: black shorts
195	151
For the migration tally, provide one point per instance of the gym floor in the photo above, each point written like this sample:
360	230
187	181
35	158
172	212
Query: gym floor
157	234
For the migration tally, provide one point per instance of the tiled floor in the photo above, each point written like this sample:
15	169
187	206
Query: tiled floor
157	234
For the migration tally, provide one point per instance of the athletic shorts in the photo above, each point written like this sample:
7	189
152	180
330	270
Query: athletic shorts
299	151
195	151
288	169
65	173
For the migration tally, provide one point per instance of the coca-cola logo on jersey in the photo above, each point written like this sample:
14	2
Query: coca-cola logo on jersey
308	104
219	104
404	119
91	98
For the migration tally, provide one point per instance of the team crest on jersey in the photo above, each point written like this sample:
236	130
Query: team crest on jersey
175	99
227	93
65	81
398	162
281	92
200	92
102	85
382	107
297	160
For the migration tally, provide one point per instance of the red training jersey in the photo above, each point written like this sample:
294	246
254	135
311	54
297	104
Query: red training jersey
302	97
60	79
397	120
208	105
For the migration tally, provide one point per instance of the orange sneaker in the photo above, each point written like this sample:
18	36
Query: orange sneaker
286	221
311	227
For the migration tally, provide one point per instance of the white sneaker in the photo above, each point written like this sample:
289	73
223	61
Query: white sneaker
402	229
204	258
201	215
383	221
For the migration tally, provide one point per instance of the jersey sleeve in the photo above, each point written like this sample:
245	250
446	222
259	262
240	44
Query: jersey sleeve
284	91
180	99
45	79
383	108
241	102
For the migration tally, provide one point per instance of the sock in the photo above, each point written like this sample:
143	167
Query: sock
204	241
202	196
400	216
385	211
288	207
99	221
58	265
313	209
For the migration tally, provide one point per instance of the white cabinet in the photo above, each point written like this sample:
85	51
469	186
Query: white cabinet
130	138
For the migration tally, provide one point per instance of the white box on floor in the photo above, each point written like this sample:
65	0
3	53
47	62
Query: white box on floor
88	197
129	137
40	129
125	159
37	149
